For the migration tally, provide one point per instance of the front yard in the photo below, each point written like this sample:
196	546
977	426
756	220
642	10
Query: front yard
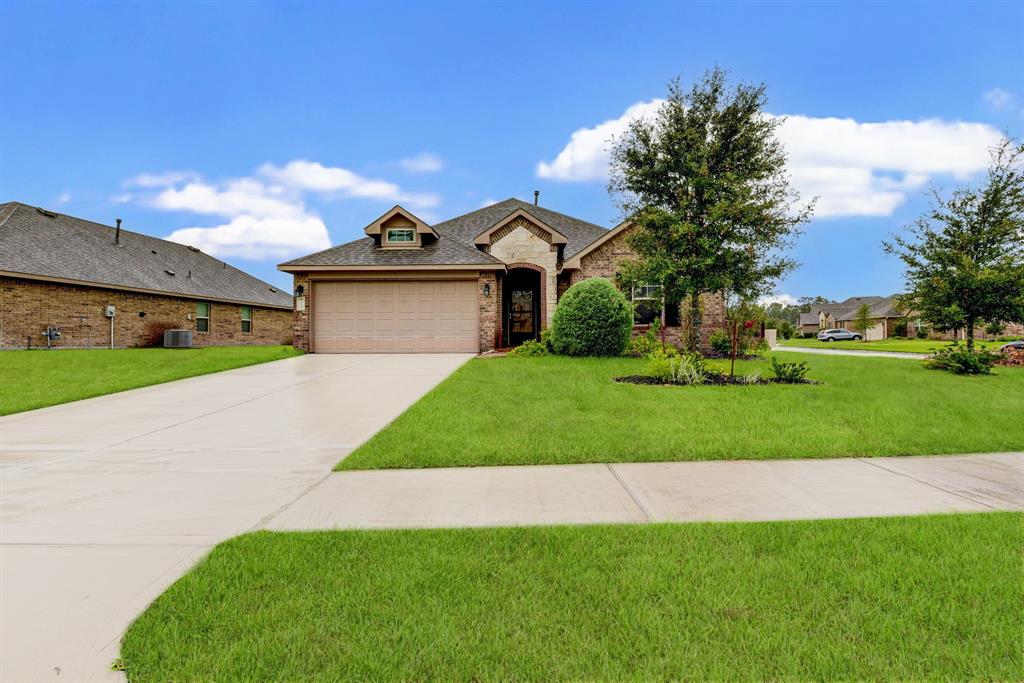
35	379
512	411
923	346
912	598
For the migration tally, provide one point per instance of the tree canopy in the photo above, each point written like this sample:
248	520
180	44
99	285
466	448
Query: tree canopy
964	257
705	184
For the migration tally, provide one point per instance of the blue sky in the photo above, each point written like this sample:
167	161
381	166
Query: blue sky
264	130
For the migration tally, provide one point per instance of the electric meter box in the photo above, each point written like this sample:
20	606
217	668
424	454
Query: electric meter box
109	311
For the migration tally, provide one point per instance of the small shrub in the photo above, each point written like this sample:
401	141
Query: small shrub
684	369
788	373
1009	338
592	319
642	345
962	361
529	348
752	378
808	335
900	329
720	343
922	333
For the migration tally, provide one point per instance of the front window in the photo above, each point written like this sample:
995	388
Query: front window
647	303
401	236
246	318
203	317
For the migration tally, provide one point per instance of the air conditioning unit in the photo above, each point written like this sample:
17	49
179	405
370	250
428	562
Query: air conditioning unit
177	339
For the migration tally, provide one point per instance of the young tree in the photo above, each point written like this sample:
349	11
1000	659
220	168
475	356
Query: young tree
862	320
965	257
705	184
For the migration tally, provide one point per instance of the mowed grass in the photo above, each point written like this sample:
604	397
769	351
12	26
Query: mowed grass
35	379
923	346
911	598
511	411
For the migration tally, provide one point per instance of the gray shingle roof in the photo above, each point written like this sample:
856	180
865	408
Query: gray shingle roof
53	245
365	252
455	245
881	307
578	233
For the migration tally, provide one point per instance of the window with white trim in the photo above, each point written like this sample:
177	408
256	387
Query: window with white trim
246	319
648	301
401	235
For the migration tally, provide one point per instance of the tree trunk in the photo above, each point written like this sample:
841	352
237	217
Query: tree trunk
969	334
694	338
734	329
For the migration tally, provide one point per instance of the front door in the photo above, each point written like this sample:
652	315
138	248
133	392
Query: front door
521	324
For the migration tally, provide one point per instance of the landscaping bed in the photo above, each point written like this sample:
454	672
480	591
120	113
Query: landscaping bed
908	598
554	410
35	379
713	378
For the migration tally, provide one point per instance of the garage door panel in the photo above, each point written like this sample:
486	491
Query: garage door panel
409	316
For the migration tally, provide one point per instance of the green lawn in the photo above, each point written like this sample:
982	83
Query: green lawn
909	598
35	379
510	411
903	345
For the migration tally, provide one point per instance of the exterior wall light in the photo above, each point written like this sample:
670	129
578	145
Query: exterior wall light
300	290
487	289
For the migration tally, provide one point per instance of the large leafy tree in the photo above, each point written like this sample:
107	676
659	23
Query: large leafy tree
965	256
705	184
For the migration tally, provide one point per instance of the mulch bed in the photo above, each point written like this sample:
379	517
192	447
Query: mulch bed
711	378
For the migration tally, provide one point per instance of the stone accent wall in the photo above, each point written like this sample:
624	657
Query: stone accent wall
489	305
605	260
27	307
300	319
523	245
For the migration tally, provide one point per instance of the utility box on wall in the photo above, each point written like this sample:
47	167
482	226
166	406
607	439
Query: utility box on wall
109	311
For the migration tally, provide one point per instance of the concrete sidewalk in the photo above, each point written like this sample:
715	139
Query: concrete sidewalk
850	352
660	492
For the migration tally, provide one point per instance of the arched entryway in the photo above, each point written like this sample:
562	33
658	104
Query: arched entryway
522	301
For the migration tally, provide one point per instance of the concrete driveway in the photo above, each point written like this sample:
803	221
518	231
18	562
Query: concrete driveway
107	501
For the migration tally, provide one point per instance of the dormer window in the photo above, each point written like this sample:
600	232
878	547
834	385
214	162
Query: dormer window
401	235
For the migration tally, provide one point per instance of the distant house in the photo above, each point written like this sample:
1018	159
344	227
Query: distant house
57	271
885	316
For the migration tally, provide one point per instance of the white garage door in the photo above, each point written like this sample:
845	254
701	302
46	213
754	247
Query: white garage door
400	317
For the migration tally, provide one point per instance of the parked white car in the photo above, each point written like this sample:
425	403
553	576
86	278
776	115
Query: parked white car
837	335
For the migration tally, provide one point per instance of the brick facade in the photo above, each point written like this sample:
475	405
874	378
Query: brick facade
300	318
490	328
605	260
27	307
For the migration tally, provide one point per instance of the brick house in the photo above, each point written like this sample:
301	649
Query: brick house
488	279
64	272
886	320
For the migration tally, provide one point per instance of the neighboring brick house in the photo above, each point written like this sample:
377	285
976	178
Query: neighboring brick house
488	279
886	320
64	272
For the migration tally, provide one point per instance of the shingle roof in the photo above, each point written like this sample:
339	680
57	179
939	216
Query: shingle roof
365	252
455	246
41	243
881	307
578	233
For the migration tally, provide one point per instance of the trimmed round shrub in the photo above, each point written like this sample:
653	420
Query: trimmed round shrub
593	318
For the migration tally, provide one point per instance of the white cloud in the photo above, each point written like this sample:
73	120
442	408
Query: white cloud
160	179
586	155
266	213
122	198
311	176
999	99
424	162
64	197
856	169
488	202
258	237
784	299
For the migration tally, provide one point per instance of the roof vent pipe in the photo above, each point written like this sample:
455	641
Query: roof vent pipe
117	232
536	197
